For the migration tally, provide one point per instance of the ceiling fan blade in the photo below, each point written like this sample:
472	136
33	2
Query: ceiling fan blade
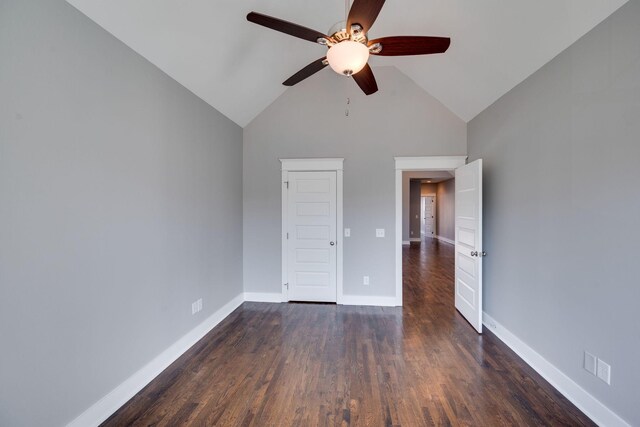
307	71
410	45
364	13
286	27
364	78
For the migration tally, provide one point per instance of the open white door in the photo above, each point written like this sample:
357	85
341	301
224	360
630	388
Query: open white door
468	276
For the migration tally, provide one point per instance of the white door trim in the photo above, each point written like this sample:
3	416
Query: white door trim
314	165
430	163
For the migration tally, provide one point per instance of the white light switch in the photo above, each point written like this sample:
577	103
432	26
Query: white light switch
604	371
379	232
347	232
590	363
196	306
365	280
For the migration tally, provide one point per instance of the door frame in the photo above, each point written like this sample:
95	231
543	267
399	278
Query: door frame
423	163
312	165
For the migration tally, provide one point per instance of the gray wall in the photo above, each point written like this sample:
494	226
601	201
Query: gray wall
562	206
120	204
414	209
445	209
309	120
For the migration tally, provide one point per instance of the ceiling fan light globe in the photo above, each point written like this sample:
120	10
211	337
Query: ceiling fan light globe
348	57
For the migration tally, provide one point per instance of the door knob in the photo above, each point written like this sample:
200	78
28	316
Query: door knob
478	254
332	243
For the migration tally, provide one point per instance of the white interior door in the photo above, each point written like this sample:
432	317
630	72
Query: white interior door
429	216
468	223
311	228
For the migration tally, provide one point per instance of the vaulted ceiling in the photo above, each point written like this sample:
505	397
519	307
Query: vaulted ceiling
238	67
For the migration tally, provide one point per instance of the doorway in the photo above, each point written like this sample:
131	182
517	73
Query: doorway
467	227
312	234
311	218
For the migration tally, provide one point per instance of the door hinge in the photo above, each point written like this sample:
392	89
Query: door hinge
287	236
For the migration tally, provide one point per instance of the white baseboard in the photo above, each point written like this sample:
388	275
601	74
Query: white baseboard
415	239
405	242
343	300
588	404
444	239
110	403
262	297
368	300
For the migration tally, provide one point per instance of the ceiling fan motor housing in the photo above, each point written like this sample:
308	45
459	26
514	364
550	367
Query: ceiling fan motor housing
338	32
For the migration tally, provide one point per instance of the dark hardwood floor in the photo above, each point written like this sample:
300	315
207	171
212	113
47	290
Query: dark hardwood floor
318	364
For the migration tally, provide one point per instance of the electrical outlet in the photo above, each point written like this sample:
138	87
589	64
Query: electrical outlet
365	280
347	232
604	371
379	232
590	363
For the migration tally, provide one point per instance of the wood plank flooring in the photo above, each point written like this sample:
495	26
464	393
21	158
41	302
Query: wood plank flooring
328	365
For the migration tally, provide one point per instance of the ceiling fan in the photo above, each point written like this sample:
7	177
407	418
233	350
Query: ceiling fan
348	44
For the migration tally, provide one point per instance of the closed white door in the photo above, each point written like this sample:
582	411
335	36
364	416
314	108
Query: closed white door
429	217
468	224
311	243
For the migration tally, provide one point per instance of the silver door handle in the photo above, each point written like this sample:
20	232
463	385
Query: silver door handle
332	243
478	254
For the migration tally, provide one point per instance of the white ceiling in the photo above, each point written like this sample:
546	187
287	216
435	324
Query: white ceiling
238	67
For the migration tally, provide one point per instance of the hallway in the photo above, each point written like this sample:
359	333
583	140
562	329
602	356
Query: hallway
319	364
